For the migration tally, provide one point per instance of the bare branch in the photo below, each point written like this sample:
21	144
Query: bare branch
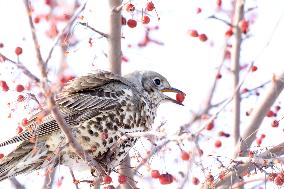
65	29
222	20
260	111
95	30
20	66
35	40
16	184
49	180
257	116
114	39
236	50
74	179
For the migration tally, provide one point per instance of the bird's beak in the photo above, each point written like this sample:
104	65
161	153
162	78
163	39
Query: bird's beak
174	90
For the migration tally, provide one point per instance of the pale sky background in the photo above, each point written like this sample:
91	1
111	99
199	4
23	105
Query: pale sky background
189	64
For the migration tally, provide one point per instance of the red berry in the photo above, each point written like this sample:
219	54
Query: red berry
19	129
218	143
4	86
36	20
199	10
278	180
1	155
219	75
155	174
227	54
219	3
25	122
145	20
229	32
262	136
195	181
193	33
258	141
221	133
107	179
244	24
272	176
209	178
20	98
122	179
180	97
132	23
245	90
166	179
18	51
1	45
210	126
270	113
20	88
65	79
123	20
203	37
150	6
275	123
253	68
130	7
185	156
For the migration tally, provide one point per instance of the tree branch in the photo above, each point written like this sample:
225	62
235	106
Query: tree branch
74	179
260	111
65	29
114	39
16	184
49	179
20	66
256	119
238	16
95	30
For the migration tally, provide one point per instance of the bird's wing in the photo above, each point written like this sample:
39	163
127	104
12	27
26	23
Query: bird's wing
81	99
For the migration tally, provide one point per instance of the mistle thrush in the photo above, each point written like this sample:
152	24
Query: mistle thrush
99	108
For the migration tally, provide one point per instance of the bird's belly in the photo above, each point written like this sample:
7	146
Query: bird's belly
72	161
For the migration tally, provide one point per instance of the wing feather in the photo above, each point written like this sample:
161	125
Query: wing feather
81	99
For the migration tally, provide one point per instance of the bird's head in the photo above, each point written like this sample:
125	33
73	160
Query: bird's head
155	85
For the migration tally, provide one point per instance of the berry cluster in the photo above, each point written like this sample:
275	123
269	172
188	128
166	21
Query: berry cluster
145	19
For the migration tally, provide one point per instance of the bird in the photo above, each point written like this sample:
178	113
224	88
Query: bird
99	108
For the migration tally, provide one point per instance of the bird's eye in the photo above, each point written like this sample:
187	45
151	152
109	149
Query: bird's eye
157	81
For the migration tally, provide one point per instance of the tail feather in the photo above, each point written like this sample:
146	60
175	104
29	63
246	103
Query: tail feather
25	159
26	135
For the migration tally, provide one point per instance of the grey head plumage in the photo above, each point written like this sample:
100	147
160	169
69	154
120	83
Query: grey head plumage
154	84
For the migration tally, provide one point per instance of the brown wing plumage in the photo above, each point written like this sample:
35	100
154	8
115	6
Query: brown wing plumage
82	98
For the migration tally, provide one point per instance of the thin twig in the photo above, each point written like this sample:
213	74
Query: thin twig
95	30
73	177
224	21
21	66
49	179
16	184
65	29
